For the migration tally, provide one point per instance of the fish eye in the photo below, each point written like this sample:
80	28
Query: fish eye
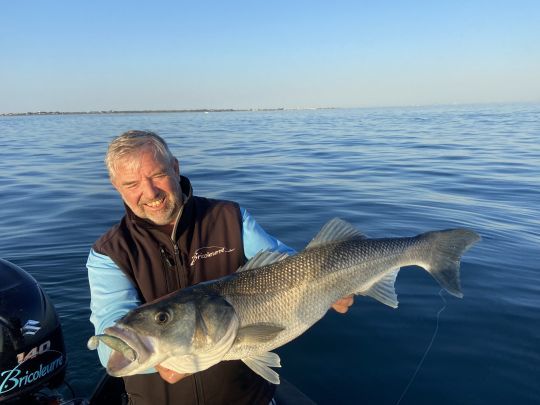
162	317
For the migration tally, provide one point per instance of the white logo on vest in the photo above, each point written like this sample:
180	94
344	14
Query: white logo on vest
209	251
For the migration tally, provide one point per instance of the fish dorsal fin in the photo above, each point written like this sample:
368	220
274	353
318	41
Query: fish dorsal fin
258	333
263	258
335	230
261	364
383	290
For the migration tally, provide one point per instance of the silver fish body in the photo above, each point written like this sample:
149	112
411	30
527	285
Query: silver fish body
274	298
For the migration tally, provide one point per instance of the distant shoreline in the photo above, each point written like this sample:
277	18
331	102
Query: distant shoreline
203	110
221	110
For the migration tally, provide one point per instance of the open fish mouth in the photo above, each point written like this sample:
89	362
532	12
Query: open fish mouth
127	348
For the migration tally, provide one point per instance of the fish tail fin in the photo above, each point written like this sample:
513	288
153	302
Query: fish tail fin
443	259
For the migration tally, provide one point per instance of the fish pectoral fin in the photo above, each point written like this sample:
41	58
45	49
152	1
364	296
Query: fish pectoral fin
335	230
261	364
258	333
263	258
383	290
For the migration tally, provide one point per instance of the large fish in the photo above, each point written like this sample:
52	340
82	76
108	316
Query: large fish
273	299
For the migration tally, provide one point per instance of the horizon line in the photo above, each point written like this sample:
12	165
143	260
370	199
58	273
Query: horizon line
217	110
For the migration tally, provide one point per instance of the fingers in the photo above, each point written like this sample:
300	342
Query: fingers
342	305
169	375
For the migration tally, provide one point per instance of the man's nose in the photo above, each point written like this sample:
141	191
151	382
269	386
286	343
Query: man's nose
149	189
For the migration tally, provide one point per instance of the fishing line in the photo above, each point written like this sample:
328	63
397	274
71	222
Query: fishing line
419	366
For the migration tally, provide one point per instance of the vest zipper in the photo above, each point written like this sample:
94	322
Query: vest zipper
167	265
198	389
181	271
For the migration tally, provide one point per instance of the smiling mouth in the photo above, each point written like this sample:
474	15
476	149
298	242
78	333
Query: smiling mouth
155	203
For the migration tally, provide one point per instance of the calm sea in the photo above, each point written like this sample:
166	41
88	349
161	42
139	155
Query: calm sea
390	172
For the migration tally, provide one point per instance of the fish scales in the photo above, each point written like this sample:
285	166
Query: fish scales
309	283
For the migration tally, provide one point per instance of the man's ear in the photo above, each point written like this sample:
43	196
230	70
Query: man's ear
114	184
176	166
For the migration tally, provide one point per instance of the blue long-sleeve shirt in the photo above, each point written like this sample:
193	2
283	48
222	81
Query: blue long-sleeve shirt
112	294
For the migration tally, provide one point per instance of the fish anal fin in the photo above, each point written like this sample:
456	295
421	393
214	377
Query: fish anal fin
384	290
261	364
335	230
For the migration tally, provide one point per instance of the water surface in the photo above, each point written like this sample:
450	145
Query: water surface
390	172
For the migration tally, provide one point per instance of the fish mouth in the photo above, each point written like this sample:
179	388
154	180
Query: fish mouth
129	353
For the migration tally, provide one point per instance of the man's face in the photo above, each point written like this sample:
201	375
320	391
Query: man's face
150	188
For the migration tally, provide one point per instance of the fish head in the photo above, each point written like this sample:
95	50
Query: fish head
183	324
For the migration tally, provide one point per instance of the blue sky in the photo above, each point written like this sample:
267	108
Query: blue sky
103	55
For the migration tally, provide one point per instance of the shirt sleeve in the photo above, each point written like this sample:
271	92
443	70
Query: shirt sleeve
112	295
256	238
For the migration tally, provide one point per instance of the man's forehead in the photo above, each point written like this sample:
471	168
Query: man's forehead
132	165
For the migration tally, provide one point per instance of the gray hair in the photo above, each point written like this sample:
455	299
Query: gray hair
130	143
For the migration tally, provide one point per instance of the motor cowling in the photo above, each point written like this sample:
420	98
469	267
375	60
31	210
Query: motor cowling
32	350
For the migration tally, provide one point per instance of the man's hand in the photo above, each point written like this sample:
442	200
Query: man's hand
342	305
169	375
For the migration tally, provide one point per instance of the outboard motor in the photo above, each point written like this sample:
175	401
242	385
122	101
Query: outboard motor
32	351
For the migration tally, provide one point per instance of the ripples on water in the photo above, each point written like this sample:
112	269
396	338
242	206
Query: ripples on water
391	172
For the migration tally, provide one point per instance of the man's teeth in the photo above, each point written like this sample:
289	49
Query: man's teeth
155	203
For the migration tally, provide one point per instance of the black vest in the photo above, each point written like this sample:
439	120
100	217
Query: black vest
208	244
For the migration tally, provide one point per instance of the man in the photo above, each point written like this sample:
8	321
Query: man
170	239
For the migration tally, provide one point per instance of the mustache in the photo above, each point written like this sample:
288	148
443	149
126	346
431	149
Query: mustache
159	197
